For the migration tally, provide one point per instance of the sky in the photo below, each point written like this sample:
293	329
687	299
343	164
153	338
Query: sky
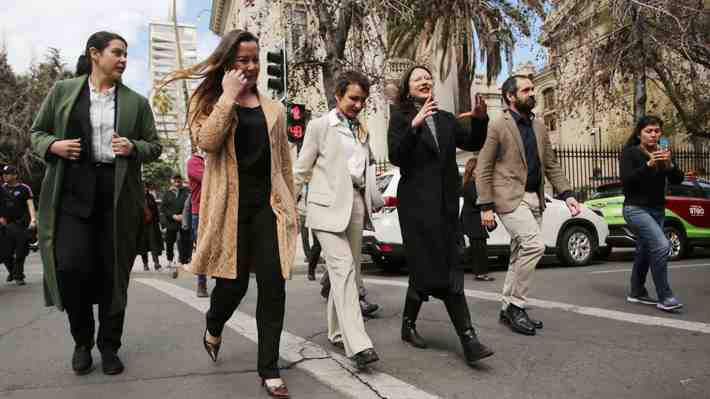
29	27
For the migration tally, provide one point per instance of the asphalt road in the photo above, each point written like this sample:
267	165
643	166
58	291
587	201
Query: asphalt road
594	344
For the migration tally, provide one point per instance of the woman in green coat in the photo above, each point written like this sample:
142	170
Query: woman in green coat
94	133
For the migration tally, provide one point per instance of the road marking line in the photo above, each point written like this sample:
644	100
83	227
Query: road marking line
670	267
332	369
585	310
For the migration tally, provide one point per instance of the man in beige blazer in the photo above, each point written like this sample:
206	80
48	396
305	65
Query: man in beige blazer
341	195
510	177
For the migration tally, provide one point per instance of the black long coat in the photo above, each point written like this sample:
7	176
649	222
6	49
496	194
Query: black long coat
471	213
151	240
428	194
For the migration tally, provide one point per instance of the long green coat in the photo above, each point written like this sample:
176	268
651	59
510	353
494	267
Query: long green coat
134	121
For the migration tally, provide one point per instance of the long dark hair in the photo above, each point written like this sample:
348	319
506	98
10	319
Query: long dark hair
646	120
469	170
99	40
404	99
211	71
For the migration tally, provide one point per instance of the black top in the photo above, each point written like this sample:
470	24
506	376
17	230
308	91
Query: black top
471	213
531	156
16	198
251	140
644	186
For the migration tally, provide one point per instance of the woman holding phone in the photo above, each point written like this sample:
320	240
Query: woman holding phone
422	141
94	133
247	206
646	169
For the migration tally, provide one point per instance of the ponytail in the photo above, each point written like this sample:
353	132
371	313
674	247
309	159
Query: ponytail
83	66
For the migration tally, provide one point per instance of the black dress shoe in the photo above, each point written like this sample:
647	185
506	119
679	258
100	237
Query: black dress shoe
368	308
9	278
473	350
338	344
362	359
212	349
410	334
81	361
536	323
517	320
110	363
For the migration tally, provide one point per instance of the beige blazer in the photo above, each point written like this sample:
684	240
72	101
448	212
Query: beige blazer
502	169
217	235
330	189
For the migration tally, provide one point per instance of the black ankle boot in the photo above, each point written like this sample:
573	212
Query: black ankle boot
409	318
473	350
410	334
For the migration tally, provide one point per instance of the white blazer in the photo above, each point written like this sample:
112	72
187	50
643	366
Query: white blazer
330	189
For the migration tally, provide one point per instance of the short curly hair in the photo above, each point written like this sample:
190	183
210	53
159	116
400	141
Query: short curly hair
348	78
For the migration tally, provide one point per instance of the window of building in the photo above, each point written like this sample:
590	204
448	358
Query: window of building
548	96
551	121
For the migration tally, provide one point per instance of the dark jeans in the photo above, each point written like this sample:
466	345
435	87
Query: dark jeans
258	246
185	246
85	268
201	278
652	250
15	246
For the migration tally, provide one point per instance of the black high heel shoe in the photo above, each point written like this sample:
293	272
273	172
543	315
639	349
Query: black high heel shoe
212	349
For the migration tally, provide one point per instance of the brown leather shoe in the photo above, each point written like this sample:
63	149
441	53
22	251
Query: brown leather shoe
280	391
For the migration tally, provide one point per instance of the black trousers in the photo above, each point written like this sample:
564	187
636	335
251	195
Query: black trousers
15	246
171	236
185	246
257	245
479	256
85	266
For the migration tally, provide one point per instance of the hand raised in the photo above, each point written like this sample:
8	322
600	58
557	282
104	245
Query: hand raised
233	83
68	149
429	108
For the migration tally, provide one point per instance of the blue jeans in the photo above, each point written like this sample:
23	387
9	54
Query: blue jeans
652	250
201	278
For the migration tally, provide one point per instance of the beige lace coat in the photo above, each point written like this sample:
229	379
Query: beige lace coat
217	235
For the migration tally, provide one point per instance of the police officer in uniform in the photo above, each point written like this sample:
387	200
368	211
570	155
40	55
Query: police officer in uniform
20	218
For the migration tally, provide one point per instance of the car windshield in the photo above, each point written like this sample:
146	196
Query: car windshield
608	191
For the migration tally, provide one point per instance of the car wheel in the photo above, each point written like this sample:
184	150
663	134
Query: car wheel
576	246
604	252
677	239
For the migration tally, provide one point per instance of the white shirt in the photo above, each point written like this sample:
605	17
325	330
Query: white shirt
355	151
102	113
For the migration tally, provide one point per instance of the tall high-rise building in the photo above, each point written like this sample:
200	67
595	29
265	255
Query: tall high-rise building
170	105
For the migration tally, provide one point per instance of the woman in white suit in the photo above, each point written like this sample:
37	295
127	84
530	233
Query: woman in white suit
342	194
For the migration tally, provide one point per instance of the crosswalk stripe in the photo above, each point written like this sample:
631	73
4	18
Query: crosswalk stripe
585	310
332	369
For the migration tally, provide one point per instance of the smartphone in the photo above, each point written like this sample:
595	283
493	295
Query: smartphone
664	144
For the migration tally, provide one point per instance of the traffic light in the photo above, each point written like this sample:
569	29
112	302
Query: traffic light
297	118
276	69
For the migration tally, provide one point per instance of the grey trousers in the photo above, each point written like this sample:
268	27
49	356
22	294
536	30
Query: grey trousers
342	257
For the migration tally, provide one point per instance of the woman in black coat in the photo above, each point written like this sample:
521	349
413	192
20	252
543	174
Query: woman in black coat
422	141
151	239
471	223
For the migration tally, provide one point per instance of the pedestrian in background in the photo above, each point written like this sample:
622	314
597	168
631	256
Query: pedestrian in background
20	220
171	208
342	194
471	223
195	172
185	235
422	141
247	206
510	177
93	133
151	239
646	169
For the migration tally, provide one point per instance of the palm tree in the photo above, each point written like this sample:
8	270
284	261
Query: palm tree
436	31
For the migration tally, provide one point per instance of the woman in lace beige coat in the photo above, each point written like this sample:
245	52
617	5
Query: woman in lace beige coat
248	208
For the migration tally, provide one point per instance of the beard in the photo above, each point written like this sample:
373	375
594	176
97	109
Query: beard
525	106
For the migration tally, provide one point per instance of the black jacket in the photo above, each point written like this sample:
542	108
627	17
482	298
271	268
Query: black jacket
644	186
428	192
172	204
471	213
